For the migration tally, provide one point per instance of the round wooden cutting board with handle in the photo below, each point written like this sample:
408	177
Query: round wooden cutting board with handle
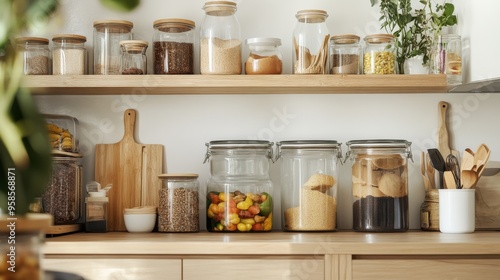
133	170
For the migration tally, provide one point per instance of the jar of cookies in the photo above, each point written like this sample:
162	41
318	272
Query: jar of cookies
309	184
380	184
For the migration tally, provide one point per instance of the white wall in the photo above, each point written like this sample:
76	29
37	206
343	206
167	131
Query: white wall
183	123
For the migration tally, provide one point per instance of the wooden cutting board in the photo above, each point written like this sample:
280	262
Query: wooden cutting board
133	170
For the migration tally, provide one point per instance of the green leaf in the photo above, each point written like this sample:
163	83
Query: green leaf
448	9
121	5
373	2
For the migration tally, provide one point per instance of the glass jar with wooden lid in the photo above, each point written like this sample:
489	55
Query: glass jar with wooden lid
68	54
133	59
36	55
379	55
107	37
345	54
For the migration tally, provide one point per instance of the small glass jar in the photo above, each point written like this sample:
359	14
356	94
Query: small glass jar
379	55
36	55
173	46
429	211
179	203
310	43
309	178
380	184
239	190
96	213
345	54
133	57
68	54
264	57
220	39
107	37
447	58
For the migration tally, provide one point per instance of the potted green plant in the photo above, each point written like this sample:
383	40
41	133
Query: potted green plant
416	30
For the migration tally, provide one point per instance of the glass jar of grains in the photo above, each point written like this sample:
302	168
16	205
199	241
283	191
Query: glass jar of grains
220	39
133	57
345	54
173	46
310	43
107	37
379	55
36	55
264	57
68	54
178	210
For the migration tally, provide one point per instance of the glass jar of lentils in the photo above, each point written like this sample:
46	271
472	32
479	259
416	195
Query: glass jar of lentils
36	55
379	55
173	46
178	209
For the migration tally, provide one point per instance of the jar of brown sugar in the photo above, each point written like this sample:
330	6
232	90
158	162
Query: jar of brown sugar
265	57
345	54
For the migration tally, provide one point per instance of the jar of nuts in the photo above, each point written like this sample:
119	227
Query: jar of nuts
380	184
379	55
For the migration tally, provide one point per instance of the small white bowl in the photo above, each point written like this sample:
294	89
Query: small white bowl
140	222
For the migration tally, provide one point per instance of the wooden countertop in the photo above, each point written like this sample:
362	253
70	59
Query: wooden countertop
275	243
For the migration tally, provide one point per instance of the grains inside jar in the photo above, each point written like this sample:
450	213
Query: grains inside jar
220	56
173	58
179	210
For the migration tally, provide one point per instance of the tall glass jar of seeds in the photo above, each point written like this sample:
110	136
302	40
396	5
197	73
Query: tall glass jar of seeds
310	43
239	191
309	184
173	46
107	37
68	54
220	39
345	54
380	184
36	55
133	57
379	55
178	210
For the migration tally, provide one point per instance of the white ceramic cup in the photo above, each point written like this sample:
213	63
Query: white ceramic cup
457	210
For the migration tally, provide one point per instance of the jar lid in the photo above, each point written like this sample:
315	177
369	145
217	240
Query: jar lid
69	38
174	25
379	38
264	41
305	144
220	8
311	16
134	46
386	145
242	144
345	39
113	26
178	176
101	199
32	40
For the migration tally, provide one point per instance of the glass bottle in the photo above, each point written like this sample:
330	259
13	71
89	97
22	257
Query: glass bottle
173	46
309	182
36	55
264	57
68	54
379	55
239	191
220	39
133	57
447	58
96	213
107	37
345	54
380	184
310	43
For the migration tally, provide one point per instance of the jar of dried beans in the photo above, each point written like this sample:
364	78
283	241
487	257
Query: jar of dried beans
379	55
107	37
220	39
178	210
239	190
133	57
380	184
173	46
309	178
310	43
68	55
264	57
345	54
36	55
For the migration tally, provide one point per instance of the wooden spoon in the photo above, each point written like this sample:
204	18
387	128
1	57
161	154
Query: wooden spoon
467	160
450	180
481	158
427	183
469	179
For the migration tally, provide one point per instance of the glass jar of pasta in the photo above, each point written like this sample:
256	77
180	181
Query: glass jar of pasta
379	55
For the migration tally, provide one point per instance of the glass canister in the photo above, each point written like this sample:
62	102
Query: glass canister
264	57
68	54
220	39
309	182
96	213
36	55
345	54
239	189
447	58
380	184
179	203
133	57
107	37
173	46
379	55
310	43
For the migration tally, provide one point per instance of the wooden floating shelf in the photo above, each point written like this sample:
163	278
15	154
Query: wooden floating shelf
233	84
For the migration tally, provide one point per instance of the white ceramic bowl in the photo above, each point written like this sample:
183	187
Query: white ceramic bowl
140	222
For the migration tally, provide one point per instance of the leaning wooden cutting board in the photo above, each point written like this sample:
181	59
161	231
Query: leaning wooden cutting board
133	170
